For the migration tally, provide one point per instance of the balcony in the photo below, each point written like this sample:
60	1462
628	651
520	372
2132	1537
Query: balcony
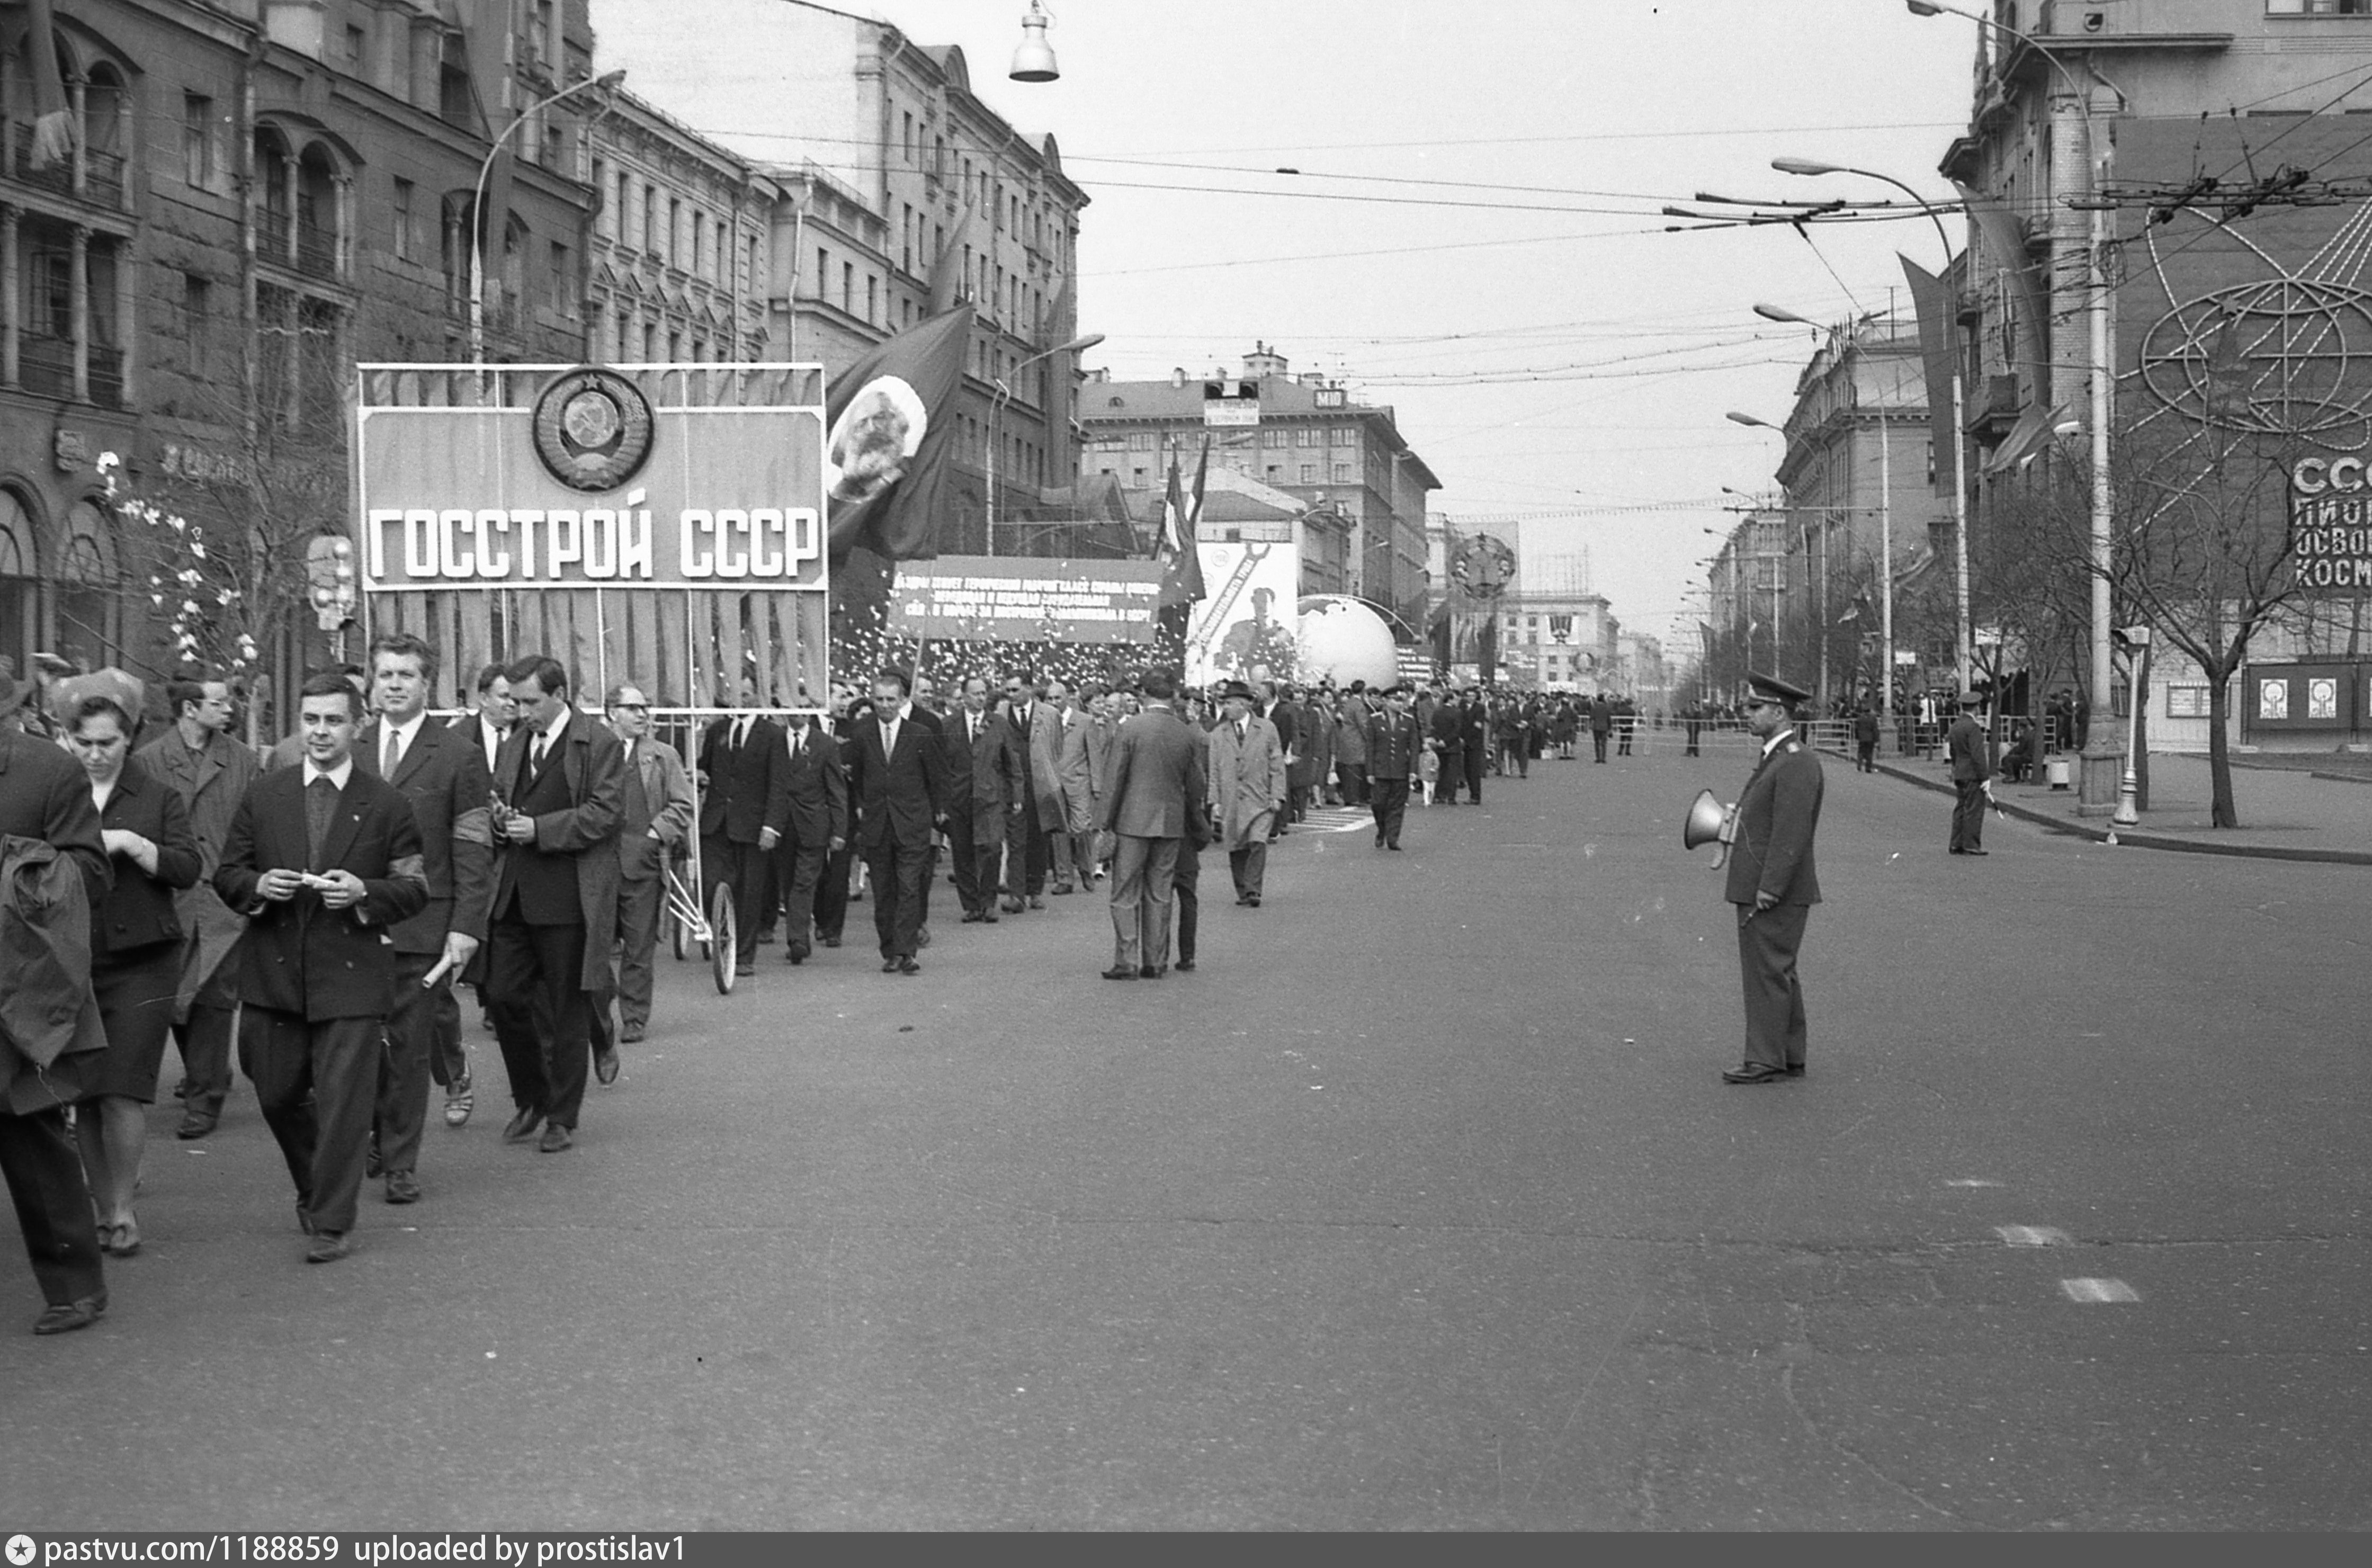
45	366
317	251
102	172
106	376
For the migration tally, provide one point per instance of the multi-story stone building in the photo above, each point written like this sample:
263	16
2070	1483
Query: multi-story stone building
682	257
886	161
1303	437
259	193
2187	148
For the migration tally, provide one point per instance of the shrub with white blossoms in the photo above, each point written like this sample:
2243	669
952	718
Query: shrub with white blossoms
207	611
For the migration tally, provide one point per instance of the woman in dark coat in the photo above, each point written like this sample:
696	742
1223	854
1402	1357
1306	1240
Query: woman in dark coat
136	962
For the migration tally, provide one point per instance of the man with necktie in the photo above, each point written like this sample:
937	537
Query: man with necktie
986	785
444	777
1247	780
742	811
1773	882
325	860
655	814
557	787
815	791
1393	750
897	777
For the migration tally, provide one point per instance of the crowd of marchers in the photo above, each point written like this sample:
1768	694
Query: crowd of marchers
316	913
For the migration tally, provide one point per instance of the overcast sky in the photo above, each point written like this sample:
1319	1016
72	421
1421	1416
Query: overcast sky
1472	238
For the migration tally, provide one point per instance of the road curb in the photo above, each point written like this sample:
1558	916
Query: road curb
2137	839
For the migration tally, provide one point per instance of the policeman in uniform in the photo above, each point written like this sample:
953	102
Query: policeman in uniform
1774	883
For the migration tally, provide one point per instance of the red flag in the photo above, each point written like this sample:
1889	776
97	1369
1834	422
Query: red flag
53	121
891	416
1181	519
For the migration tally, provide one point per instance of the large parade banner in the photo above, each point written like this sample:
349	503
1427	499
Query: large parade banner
1247	628
658	524
1015	599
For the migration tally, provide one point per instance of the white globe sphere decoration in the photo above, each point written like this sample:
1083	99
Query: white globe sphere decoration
1343	639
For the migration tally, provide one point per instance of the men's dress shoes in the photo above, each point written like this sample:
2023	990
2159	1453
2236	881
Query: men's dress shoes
973	917
1036	902
1393	846
1795	1070
988	917
329	1246
832	941
522	1126
745	969
634	1034
1152	972
794	955
373	1167
459	1100
194	1124
1754	1072
1061	888
605	1066
1379	840
66	1318
555	1138
908	966
1253	899
922	937
889	966
403	1187
1014	906
1185	966
1119	972
1976	852
304	1219
182	1090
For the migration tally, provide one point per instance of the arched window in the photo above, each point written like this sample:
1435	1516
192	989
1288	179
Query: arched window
90	615
318	216
19	581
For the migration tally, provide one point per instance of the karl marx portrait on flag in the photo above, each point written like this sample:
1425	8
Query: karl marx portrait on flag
875	440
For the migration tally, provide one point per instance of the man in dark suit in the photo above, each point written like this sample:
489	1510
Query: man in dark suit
987	784
897	776
654	816
1602	725
815	791
1475	735
487	725
558	785
46	798
1448	741
1773	882
326	860
742	812
1692	720
444	776
1393	750
1865	738
1031	849
1292	722
839	868
1156	782
1971	771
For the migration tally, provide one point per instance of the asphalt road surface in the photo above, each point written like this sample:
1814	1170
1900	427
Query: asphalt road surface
1421	1205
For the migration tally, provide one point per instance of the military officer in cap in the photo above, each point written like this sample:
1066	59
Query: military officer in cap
1395	742
1774	883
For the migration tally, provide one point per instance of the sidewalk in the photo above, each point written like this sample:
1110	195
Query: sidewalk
2285	815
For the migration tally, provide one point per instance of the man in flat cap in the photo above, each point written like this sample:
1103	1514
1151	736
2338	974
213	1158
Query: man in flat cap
1971	770
1774	883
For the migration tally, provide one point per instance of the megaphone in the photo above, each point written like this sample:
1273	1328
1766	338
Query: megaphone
1709	821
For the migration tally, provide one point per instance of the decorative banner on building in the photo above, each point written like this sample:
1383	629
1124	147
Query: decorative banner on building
1246	629
2330	526
1026	599
496	497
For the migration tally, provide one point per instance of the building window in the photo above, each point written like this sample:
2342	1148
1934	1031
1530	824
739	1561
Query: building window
1309	435
650	219
358	46
562	283
403	240
848	287
1342	473
699	245
198	141
1271	438
1140	441
674	232
910	141
1309	473
823	271
872	296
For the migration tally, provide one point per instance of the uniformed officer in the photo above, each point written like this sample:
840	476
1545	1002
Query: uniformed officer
1774	883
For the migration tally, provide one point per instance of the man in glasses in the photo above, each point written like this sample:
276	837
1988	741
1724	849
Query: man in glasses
1774	883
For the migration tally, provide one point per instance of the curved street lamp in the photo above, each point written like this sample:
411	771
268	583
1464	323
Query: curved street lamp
478	207
997	412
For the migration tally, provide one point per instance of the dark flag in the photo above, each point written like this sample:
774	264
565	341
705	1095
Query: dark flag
53	118
1181	581
1934	310
891	416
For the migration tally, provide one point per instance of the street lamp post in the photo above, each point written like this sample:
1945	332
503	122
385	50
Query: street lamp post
1963	633
997	412
478	207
